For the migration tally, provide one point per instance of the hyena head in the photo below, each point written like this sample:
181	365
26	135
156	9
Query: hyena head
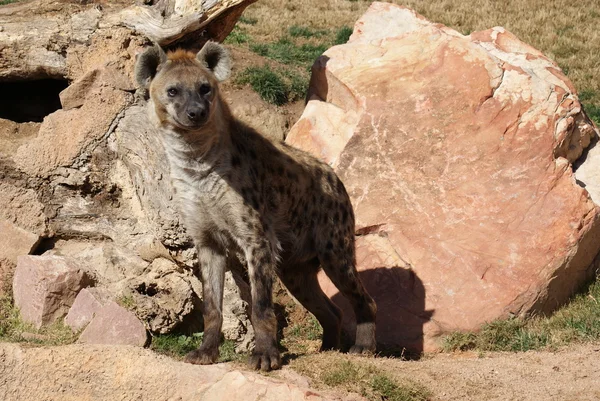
184	86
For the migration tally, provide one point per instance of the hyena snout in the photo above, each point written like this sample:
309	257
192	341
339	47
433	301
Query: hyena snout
196	114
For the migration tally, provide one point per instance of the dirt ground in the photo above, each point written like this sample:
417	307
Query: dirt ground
567	374
128	373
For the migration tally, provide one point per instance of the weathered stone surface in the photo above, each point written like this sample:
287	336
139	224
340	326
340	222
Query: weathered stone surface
14	241
456	151
236	310
21	207
45	287
163	295
102	372
106	262
115	325
86	305
48	151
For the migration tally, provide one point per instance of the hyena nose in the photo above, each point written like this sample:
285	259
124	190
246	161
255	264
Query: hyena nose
196	115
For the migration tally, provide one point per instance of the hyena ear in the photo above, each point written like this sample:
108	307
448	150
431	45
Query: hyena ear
215	58
147	64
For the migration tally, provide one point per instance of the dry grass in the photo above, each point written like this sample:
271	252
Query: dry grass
566	31
359	375
576	322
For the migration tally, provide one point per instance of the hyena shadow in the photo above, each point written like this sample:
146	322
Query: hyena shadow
401	314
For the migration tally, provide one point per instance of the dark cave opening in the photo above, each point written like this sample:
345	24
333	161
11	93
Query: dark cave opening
30	101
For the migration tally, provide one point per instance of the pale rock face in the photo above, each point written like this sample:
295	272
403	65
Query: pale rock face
45	287
456	152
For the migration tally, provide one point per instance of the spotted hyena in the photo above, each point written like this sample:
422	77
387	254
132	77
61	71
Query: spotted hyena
247	200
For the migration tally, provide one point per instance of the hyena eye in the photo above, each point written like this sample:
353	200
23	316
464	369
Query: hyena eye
204	89
172	92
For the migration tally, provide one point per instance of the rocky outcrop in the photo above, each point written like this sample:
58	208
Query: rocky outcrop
457	152
96	372
89	184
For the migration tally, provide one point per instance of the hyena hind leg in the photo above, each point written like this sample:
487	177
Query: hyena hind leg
301	281
341	270
212	270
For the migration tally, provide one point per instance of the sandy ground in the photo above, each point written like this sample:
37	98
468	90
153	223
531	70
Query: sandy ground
79	372
567	374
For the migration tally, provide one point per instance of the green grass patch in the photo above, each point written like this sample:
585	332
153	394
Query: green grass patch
362	378
593	112
14	329
4	2
178	345
342	35
286	51
276	87
306	32
578	321
590	101
237	36
311	330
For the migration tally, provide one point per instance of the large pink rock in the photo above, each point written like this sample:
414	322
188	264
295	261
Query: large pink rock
456	151
44	287
113	324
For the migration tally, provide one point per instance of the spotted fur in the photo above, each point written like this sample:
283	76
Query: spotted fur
283	211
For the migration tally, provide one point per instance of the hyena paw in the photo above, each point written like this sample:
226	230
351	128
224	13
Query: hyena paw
362	349
265	360
202	356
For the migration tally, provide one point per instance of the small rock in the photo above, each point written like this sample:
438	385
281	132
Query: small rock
88	302
45	287
115	325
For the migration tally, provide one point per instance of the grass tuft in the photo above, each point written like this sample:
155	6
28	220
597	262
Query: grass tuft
342	35
276	87
237	36
286	51
267	83
306	32
338	372
178	345
14	329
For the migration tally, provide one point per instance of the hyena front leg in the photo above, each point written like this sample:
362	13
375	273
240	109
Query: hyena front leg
261	267
212	270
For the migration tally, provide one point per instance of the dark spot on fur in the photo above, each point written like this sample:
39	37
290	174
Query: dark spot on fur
235	161
329	246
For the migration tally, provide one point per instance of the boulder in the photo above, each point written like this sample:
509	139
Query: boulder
86	305
45	287
457	152
115	325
